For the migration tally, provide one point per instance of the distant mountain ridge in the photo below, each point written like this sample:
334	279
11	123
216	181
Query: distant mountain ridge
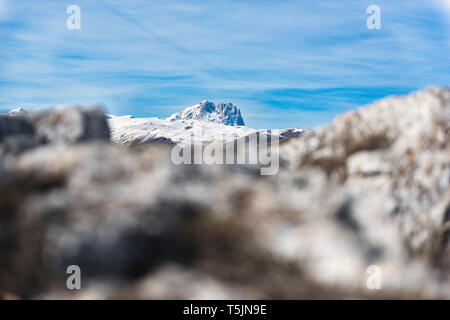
221	121
214	121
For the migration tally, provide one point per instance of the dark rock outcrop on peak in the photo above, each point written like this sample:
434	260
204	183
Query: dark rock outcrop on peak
370	189
207	107
230	114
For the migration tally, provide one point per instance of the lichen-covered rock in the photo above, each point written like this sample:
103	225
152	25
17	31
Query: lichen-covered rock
369	192
397	151
71	125
16	134
21	131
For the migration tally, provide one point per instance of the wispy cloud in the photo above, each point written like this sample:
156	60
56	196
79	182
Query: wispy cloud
445	3
310	60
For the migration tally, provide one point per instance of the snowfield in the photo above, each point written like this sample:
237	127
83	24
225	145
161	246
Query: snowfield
129	130
197	124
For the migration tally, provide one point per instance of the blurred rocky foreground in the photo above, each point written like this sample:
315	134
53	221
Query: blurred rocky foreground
372	188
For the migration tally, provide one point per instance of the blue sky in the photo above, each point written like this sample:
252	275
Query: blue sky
285	63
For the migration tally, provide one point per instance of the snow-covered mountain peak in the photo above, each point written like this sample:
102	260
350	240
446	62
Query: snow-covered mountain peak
18	111
197	124
222	113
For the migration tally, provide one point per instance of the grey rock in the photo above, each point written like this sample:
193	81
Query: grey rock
21	130
16	134
71	125
14	126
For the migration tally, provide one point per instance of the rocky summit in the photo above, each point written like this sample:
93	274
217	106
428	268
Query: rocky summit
359	209
222	113
198	124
